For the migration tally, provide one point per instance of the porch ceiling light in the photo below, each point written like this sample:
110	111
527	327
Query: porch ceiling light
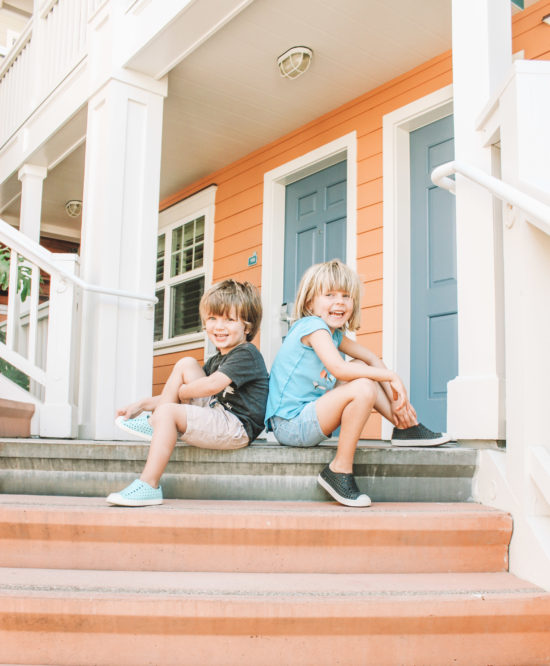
73	207
546	19
294	62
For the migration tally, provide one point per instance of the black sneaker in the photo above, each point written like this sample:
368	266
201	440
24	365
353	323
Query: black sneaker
342	487
418	435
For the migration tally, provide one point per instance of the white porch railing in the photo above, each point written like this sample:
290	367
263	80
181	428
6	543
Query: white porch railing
528	468
50	47
56	375
537	212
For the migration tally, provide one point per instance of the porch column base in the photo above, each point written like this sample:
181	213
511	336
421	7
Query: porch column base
58	420
475	408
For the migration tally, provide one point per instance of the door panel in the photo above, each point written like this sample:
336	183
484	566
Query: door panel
315	224
434	337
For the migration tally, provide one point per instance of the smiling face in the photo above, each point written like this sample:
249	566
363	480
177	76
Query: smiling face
335	307
225	331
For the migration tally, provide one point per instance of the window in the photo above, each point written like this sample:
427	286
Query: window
180	280
184	269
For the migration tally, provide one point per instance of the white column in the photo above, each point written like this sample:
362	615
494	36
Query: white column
119	231
32	178
525	140
481	60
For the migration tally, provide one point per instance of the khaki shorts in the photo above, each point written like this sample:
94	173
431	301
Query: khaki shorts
211	426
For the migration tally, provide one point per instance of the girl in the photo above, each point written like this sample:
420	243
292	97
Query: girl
313	390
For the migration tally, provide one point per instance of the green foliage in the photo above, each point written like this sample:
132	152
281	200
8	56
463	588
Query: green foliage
11	372
23	274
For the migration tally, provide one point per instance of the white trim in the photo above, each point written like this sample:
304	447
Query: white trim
201	203
397	126
275	182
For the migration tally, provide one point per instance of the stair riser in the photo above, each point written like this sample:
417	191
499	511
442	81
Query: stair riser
224	633
255	558
259	471
289	537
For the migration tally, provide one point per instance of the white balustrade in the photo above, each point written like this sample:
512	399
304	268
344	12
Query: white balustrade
42	340
50	47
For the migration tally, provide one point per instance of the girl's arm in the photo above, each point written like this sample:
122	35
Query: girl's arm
358	351
204	386
403	411
324	347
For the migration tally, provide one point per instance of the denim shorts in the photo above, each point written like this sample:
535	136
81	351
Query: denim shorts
302	430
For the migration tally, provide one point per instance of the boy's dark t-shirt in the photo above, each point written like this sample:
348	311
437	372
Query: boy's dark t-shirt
246	396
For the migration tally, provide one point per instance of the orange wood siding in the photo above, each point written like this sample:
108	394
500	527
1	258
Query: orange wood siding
163	364
238	217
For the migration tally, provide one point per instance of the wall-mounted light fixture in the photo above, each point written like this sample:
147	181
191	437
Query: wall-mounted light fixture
73	207
295	61
546	19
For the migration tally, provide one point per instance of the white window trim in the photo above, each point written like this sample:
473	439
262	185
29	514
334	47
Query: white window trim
396	323
273	242
202	203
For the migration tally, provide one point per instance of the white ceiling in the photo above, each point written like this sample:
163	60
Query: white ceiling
227	98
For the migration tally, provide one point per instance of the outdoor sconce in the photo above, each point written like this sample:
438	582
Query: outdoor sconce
73	207
294	62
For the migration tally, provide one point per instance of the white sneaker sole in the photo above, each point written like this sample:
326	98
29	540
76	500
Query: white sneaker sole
362	500
120	421
421	442
117	500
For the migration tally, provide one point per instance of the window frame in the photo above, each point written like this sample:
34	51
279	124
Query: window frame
187	210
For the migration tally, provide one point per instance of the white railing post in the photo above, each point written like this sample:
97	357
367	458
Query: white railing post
525	144
58	415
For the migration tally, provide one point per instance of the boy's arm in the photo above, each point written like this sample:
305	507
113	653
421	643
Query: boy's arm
204	386
135	408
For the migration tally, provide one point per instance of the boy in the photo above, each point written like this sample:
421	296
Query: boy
218	406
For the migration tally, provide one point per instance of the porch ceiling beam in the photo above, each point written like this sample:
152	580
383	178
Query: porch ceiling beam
163	33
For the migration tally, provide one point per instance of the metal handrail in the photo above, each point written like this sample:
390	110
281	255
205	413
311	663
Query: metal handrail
538	212
38	255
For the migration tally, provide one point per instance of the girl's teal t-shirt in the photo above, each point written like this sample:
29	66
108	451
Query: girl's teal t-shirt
297	376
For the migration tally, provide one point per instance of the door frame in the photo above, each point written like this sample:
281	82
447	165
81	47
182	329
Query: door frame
396	319
275	182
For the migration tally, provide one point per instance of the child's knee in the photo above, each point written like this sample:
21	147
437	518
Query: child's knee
186	363
365	389
163	414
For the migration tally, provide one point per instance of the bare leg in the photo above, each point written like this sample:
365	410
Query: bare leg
185	370
349	406
167	420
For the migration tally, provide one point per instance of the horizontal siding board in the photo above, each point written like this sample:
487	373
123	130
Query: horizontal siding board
369	243
370	217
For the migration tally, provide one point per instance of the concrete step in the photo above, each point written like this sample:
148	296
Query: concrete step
252	536
229	619
261	471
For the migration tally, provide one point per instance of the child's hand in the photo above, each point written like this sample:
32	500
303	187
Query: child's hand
405	417
130	411
399	393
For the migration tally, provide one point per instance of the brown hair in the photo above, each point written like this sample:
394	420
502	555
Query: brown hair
243	296
321	278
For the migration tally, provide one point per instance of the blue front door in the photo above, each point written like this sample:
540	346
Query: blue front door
315	224
434	336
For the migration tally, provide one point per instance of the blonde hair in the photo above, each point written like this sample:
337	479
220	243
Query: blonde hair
243	296
322	278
